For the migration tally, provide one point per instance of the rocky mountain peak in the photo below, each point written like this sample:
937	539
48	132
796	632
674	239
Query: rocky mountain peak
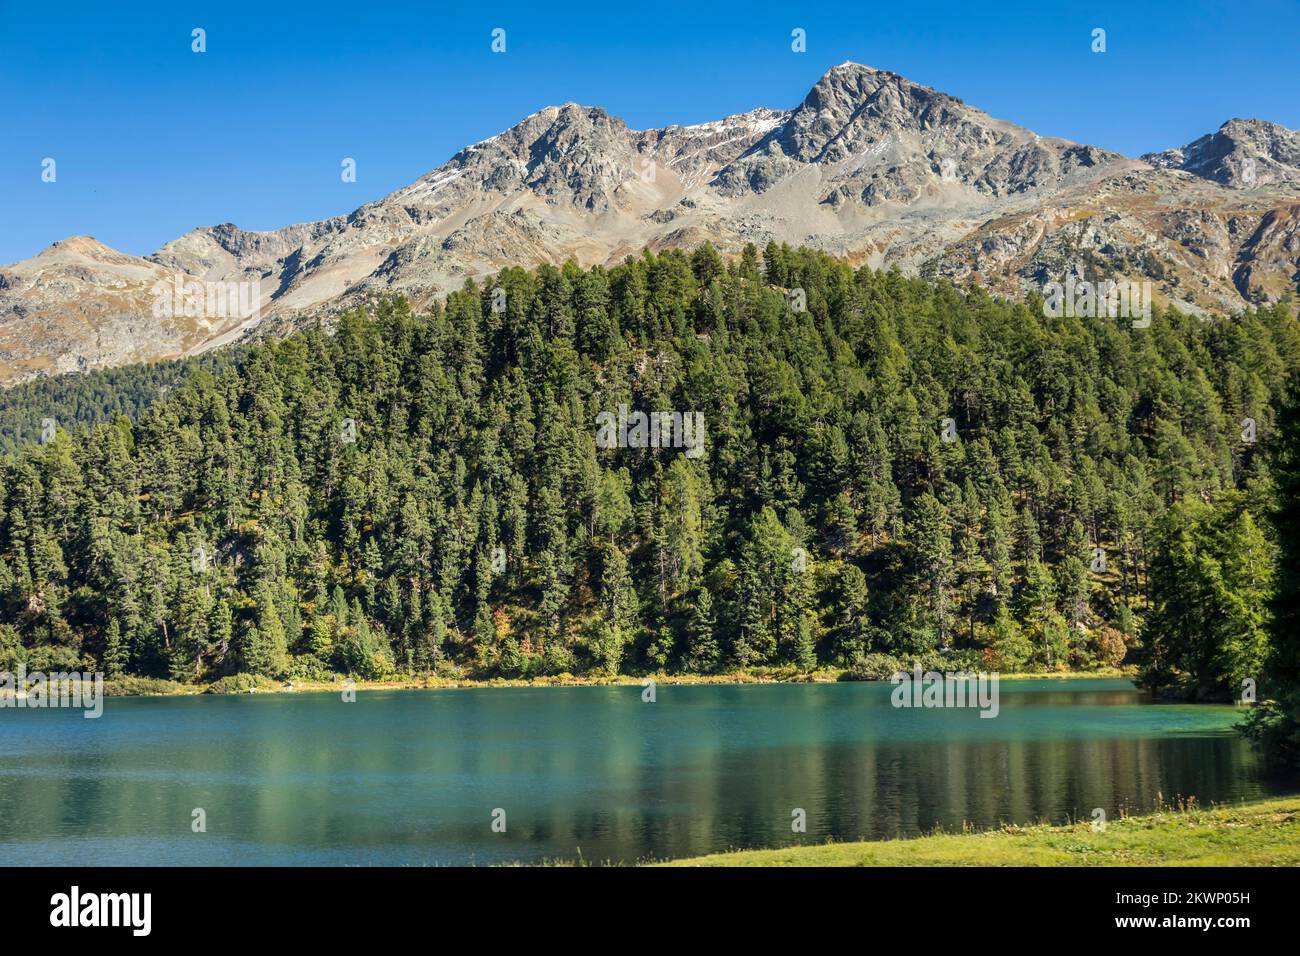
581	156
876	138
869	165
81	248
852	105
569	154
1241	154
558	124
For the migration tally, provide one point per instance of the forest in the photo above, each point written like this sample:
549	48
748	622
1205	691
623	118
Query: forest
892	470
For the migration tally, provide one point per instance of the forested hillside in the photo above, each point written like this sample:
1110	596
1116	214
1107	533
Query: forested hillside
98	396
425	492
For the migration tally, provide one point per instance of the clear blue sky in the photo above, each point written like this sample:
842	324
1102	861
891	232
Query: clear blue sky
152	140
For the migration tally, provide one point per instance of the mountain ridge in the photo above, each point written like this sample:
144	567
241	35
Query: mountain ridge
869	165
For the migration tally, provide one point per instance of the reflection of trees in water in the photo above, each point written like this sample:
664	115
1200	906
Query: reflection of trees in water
302	779
885	790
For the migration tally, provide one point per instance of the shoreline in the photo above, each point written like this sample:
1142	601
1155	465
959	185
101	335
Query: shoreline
246	684
1259	832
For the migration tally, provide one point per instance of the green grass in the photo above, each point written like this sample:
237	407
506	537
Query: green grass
132	686
1264	833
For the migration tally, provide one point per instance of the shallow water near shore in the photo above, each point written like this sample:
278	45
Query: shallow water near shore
416	777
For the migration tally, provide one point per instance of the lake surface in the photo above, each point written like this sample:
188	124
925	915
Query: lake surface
413	777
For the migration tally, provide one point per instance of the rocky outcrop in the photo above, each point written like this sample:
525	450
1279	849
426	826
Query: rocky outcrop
1243	154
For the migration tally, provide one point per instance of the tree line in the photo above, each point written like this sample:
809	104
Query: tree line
892	469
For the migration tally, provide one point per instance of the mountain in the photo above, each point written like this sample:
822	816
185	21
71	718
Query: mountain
870	166
79	304
1242	154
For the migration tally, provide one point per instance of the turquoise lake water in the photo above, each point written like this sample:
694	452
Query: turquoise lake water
414	777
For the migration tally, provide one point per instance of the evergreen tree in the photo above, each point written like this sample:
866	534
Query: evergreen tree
466	518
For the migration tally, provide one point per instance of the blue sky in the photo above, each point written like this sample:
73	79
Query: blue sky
152	139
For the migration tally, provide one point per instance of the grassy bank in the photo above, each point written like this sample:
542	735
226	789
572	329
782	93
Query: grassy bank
1263	833
244	683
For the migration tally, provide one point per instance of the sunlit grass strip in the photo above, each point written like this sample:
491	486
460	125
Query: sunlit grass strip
1263	833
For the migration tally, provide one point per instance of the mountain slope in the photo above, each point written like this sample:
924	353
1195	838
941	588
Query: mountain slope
79	304
1242	154
870	166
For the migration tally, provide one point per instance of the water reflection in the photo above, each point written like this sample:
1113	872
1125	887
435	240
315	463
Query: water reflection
413	777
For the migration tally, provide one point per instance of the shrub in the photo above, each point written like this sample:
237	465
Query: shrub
447	668
241	684
1109	646
309	667
874	667
557	659
141	686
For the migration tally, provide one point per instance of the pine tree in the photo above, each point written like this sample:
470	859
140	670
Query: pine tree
117	655
932	536
703	653
849	621
263	650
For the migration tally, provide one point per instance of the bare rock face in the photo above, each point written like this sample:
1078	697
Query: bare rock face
1243	154
79	305
1267	264
870	165
884	138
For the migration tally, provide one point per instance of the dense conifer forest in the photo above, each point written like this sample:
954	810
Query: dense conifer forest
97	397
893	470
